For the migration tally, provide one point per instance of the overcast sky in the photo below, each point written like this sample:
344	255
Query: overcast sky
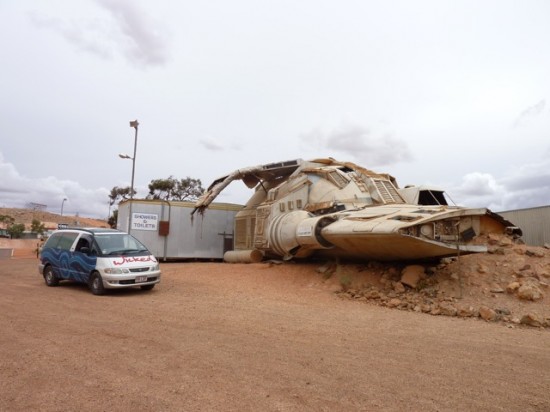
449	93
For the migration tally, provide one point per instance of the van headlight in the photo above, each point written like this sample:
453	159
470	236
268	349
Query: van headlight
116	271
156	267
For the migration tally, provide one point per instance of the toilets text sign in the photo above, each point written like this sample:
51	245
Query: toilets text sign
144	221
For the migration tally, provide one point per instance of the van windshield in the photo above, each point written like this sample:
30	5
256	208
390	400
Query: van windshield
116	244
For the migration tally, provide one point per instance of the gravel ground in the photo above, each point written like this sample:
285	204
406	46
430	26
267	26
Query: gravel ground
237	337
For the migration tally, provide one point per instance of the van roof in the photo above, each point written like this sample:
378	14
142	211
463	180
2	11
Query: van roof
92	230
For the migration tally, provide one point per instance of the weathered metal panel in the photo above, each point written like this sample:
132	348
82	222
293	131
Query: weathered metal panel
190	237
534	222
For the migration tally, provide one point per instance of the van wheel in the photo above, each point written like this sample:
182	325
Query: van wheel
96	284
49	277
147	287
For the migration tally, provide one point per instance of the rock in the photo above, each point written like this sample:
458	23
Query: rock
503	311
531	319
512	287
327	269
372	294
465	311
495	288
430	270
393	303
534	253
447	309
426	308
487	314
547	245
505	241
454	276
492	239
411	275
398	287
481	268
530	291
448	260
435	311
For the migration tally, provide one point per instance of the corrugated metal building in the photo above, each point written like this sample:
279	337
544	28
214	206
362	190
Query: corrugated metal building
170	233
534	222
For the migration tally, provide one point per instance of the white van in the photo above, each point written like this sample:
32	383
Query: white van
101	258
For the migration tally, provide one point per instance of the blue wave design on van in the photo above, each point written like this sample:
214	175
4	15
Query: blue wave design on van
69	265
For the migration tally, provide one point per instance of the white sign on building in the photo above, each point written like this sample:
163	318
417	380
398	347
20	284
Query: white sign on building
145	221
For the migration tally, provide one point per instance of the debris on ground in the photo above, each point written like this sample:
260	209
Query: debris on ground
508	284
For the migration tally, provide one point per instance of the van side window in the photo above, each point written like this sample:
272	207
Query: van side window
52	241
82	242
67	241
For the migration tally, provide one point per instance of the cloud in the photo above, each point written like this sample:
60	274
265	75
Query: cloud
533	176
84	37
359	143
129	33
212	145
478	190
528	186
216	146
17	191
529	113
144	41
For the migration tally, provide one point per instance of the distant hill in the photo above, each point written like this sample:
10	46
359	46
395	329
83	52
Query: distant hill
50	220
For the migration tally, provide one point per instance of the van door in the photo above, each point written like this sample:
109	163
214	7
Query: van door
83	259
62	255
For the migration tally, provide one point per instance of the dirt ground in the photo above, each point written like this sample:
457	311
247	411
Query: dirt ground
238	337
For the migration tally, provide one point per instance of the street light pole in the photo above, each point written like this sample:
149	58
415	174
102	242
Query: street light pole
64	199
135	125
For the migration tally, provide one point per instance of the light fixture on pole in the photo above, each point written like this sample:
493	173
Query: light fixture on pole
62	203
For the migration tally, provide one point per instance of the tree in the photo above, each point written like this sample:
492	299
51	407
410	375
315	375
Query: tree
161	188
16	230
173	189
189	189
37	227
7	220
119	193
113	219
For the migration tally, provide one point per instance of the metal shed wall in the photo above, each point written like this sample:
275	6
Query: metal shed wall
200	237
534	222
